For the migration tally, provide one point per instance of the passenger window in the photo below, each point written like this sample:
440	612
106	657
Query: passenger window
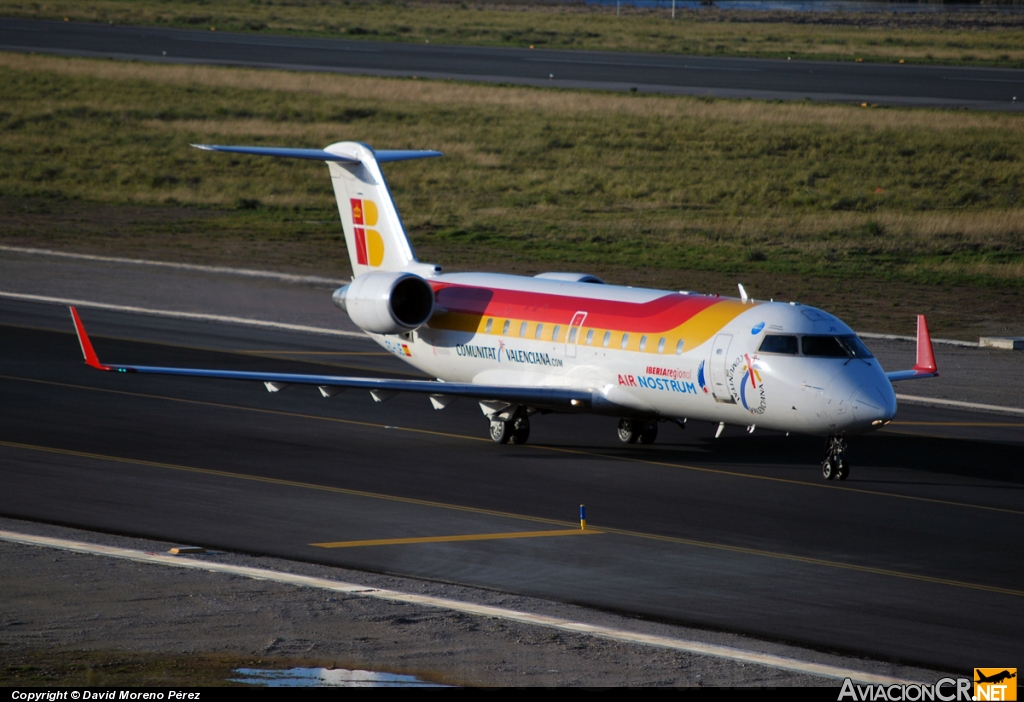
554	332
607	339
522	329
643	342
590	337
779	343
540	331
487	328
625	340
661	345
823	347
572	335
679	348
504	327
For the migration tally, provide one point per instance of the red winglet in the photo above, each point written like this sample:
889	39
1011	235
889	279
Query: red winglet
925	355
83	339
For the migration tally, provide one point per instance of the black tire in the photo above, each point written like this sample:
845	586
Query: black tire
520	430
649	433
501	432
629	431
843	470
828	468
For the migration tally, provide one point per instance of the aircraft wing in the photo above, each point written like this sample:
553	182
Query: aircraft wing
925	366
380	388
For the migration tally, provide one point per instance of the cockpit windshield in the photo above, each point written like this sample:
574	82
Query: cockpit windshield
847	346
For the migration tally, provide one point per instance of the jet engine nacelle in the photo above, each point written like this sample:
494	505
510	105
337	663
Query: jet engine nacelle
387	303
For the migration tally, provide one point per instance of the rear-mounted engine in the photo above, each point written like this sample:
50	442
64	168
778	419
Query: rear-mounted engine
387	303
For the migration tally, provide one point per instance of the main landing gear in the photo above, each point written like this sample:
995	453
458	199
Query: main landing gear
835	465
633	430
514	430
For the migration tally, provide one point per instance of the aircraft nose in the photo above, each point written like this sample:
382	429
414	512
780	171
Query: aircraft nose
873	404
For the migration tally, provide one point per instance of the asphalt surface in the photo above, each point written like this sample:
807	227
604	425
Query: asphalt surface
891	84
912	559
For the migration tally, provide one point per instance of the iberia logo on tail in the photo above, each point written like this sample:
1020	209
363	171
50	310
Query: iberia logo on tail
369	243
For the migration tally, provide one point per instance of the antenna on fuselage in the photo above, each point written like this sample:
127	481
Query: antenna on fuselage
743	293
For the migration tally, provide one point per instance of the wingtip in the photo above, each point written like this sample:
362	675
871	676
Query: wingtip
83	340
925	353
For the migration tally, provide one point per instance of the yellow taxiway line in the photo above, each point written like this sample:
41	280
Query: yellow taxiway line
831	485
808	560
456	537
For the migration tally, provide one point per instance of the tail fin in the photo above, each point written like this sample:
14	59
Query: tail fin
374	233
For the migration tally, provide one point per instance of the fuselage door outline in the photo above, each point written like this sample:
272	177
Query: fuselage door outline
719	367
572	334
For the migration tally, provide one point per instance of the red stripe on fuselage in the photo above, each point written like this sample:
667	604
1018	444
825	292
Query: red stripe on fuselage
660	314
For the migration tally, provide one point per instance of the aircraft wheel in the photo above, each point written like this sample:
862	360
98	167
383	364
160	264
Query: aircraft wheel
649	433
829	469
843	470
629	431
520	430
501	432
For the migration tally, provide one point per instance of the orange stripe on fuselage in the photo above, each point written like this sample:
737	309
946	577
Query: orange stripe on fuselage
692	318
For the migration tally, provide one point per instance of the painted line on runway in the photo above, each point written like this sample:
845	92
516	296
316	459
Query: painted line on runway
224	270
808	560
555	449
285	483
358	590
957	404
457	537
196	316
787	481
403	370
958	424
820	562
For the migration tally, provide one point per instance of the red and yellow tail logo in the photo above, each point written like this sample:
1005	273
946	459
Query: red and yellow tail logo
995	684
369	244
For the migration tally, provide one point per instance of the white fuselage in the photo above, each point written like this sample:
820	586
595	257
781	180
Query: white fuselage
705	365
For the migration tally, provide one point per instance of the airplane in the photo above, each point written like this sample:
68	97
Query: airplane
568	342
995	678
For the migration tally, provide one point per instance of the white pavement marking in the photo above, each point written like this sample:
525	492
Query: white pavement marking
736	654
956	403
184	315
247	272
898	337
288	278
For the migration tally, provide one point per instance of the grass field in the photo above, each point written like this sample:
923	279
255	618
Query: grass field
823	203
963	39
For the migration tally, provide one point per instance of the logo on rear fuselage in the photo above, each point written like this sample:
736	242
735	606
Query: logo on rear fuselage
369	244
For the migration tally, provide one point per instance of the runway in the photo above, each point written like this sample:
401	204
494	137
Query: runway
874	83
913	559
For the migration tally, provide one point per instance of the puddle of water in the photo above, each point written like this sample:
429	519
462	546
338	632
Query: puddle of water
326	677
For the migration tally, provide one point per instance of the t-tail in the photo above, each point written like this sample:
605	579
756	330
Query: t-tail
374	233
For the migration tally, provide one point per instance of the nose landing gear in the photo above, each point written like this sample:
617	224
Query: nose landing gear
835	466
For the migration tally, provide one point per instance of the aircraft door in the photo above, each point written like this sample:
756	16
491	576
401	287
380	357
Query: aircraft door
572	334
719	364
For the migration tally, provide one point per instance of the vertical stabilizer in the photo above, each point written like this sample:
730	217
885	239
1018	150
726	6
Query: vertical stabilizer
374	233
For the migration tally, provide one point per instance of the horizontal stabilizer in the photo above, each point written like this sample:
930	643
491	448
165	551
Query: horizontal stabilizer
383	156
